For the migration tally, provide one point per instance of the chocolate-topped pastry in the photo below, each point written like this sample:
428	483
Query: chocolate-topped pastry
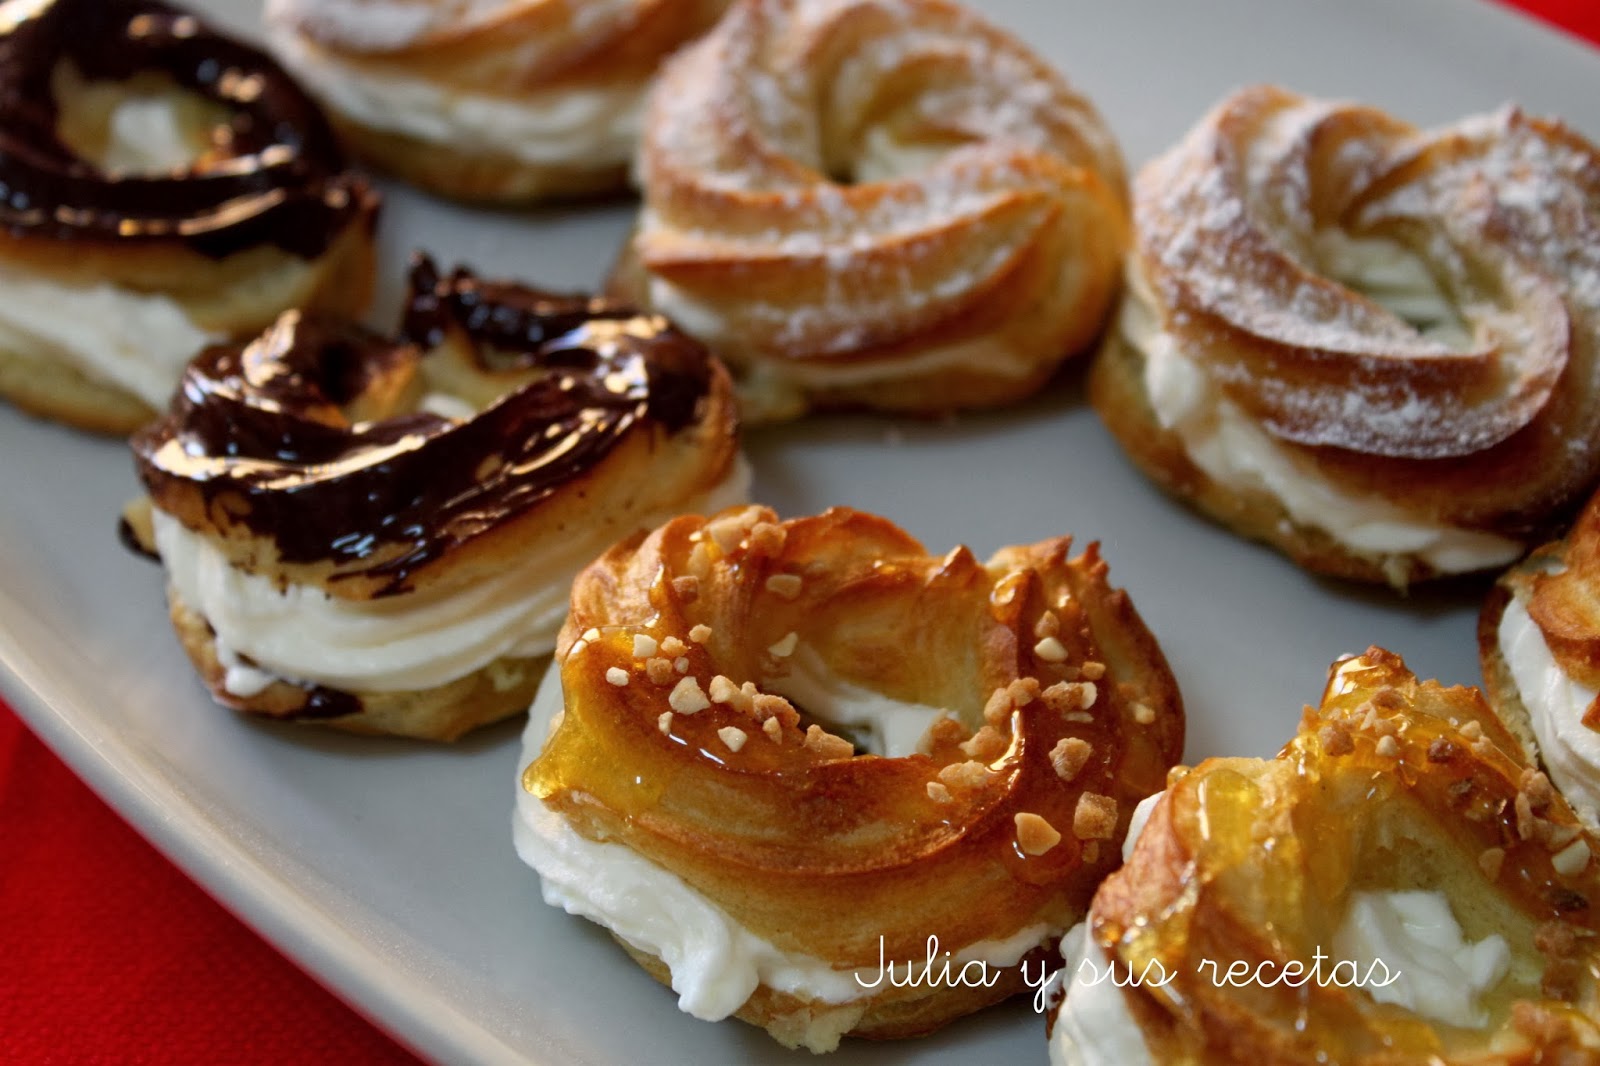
380	533
162	188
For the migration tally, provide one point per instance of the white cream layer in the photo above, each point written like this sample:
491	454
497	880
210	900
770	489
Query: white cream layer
415	640
1556	704
592	127
1237	454
716	963
880	725
1438	975
139	342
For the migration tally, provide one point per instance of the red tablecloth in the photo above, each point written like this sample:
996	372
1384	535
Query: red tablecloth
109	954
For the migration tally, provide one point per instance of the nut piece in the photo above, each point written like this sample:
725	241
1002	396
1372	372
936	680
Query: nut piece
1388	747
681	664
1092	671
688	697
617	676
672	647
827	745
664	722
1035	836
687	587
1571	860
700	634
987	744
785	647
733	737
1069	756
938	793
722	689
1143	713
965	775
1048	625
659	671
773	729
998	709
1095	817
786	586
1064	697
1335	740
1051	650
1490	861
644	645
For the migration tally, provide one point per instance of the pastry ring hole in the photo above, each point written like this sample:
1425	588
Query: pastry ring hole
146	125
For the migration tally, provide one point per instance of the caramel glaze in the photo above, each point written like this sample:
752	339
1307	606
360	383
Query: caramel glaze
261	431
285	182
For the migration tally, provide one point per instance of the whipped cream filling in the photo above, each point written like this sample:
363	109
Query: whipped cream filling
415	640
1094	1026
1556	704
1437	974
878	724
587	127
716	963
1234	452
147	137
138	342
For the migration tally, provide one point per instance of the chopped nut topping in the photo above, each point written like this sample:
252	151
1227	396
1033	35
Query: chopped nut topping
744	700
1390	699
577	646
1335	740
987	744
1095	817
938	793
1490	861
644	645
1483	747
591	635
764	705
1388	747
664	722
733	737
784	585
998	709
1051	650
672	647
1571	860
687	588
729	530
1556	940
688	697
1472	730
1069	756
827	745
1385	727
1066	696
700	634
1024	690
773	729
785	647
1538	789
944	730
1143	713
617	676
659	671
1035	835
767	538
966	775
1081	717
1091	851
1048	625
722	690
681	664
1441	750
1092	671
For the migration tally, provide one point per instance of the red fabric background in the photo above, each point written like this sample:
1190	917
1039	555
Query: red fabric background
108	954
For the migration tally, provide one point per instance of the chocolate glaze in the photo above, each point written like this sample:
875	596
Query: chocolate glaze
286	183
258	430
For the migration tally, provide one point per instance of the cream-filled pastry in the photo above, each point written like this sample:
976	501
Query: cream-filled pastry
1398	885
381	534
1373	347
860	203
790	764
164	188
497	100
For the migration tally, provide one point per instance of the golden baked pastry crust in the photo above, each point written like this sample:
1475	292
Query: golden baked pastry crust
1265	244
1392	784
862	204
810	846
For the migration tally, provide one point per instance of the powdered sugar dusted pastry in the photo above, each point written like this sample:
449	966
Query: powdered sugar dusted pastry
502	100
1372	347
1539	638
1398	886
380	535
875	203
164	187
691	787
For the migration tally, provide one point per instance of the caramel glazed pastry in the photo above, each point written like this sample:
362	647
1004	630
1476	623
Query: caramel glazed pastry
775	759
494	100
380	535
162	188
1369	346
1539	639
875	203
1398	886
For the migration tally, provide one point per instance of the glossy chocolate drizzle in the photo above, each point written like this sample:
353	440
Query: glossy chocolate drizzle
259	430
285	183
